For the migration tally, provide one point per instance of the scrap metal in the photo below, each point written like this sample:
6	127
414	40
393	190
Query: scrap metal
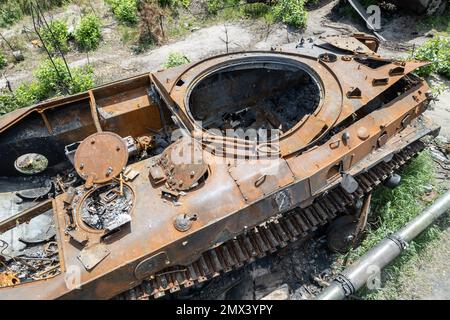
132	221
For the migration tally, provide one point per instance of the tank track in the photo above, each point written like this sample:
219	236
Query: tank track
270	236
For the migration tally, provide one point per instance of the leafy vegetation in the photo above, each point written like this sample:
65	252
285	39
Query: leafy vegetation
88	33
53	82
7	102
56	36
126	11
3	61
10	12
436	51
82	79
49	82
291	12
23	96
176	59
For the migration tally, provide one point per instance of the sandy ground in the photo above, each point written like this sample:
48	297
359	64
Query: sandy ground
440	111
299	270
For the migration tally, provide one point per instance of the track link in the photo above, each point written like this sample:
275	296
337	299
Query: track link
270	236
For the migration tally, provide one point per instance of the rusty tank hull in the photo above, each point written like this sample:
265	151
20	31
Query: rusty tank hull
171	178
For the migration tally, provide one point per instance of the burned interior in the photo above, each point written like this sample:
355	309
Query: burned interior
91	183
272	95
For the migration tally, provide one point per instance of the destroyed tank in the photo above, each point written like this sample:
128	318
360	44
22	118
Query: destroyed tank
153	184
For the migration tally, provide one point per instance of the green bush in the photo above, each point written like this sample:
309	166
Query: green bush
126	11
10	12
291	12
23	96
48	83
436	51
7	102
3	61
214	6
27	94
82	79
176	59
56	35
52	83
88	32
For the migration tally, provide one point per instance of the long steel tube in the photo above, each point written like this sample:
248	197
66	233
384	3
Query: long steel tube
369	265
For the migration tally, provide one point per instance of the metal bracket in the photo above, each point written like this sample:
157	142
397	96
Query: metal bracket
402	244
345	284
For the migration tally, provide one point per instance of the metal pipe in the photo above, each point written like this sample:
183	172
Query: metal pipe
369	265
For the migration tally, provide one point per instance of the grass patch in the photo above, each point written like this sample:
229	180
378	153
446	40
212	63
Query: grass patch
256	10
175	59
182	25
404	267
393	209
3	61
231	13
128	35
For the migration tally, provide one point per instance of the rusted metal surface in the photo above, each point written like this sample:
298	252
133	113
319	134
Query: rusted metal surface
353	45
24	130
339	123
182	176
8	279
91	163
268	238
